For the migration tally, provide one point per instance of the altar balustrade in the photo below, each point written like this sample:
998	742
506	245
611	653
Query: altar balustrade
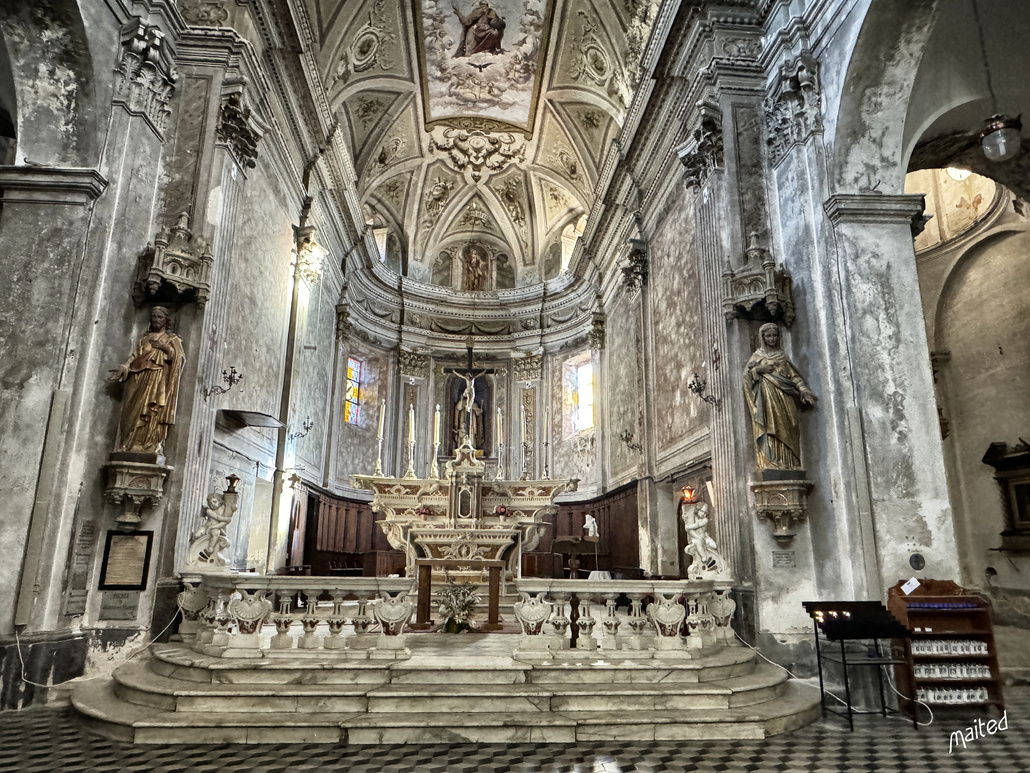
680	617
225	615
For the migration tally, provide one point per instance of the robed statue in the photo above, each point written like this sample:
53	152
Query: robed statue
774	390
151	376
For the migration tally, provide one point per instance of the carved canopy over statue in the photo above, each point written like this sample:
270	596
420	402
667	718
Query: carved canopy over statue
151	376
774	389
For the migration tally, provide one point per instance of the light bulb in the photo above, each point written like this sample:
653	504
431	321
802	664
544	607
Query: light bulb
1000	138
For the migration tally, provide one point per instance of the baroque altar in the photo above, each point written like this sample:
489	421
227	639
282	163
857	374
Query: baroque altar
463	516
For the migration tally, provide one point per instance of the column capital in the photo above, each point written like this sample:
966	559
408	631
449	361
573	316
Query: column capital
50	185
875	208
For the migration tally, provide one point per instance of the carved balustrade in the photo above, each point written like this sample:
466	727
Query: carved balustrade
678	618
232	615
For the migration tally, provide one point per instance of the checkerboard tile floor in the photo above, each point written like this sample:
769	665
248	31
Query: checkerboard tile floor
45	740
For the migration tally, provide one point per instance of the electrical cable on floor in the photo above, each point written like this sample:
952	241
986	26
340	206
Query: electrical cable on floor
795	676
890	682
26	680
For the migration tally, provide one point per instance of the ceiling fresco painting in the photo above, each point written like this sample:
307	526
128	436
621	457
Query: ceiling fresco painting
482	58
479	119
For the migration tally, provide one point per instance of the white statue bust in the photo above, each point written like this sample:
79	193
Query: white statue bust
590	526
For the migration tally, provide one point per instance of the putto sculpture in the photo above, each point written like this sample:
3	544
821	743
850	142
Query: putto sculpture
707	562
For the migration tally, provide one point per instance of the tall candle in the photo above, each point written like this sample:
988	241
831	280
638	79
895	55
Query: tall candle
500	427
382	417
525	424
436	426
411	423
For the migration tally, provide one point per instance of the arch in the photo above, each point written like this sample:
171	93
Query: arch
52	81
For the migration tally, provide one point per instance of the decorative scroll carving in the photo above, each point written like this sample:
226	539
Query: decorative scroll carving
373	45
528	368
784	503
760	291
705	153
635	271
412	364
135	486
235	130
592	63
176	259
477	153
793	108
145	76
204	13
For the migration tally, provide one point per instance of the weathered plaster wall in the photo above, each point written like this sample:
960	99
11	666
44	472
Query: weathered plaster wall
677	324
356	444
575	456
623	385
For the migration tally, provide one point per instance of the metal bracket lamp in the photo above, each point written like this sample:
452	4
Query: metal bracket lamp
230	377
698	386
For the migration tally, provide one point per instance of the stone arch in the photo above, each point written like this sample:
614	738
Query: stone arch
52	81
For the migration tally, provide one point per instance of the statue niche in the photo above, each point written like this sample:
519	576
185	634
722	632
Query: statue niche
481	412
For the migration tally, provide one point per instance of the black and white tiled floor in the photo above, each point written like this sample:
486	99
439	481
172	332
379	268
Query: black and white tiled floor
47	740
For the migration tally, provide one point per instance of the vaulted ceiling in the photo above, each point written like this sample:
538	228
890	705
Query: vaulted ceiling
479	121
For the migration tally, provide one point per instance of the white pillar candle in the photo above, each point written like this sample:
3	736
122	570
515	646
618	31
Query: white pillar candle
525	424
500	427
382	417
436	426
411	423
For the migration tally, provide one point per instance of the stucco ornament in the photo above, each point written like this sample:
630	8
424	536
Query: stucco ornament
151	376
773	390
532	612
476	153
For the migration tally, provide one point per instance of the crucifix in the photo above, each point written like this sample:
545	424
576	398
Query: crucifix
469	373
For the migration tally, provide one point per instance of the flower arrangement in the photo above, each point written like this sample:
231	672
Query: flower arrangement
458	605
501	510
423	511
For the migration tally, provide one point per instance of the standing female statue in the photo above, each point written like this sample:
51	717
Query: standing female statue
151	376
773	389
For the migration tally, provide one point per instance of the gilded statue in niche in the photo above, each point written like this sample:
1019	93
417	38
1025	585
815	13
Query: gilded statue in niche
481	30
151	376
475	268
774	391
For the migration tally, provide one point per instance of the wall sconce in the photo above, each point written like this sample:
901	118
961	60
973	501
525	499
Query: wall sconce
698	386
307	425
689	494
627	437
230	377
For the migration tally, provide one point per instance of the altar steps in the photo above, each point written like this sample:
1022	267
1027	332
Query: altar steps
180	696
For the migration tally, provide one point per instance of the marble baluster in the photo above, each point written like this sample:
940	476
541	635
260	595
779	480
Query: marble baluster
610	623
283	620
336	621
310	640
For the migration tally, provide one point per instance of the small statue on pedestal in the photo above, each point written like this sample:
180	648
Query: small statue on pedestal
590	526
209	540
707	562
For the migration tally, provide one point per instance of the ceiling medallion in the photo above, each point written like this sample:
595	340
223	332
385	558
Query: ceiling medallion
475	153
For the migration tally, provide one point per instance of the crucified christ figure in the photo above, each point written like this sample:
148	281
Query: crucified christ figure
467	405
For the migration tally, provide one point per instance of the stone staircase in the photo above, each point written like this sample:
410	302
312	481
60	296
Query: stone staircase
453	688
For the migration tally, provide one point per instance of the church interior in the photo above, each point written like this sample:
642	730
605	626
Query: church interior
509	371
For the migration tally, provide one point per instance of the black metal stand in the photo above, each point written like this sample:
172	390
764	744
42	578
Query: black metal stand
854	621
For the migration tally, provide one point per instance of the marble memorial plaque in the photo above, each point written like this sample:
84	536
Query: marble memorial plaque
783	559
119	605
126	560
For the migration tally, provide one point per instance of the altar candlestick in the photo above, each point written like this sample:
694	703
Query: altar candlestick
525	422
436	426
500	427
382	417
411	423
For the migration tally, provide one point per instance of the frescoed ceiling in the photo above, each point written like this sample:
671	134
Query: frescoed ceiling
479	120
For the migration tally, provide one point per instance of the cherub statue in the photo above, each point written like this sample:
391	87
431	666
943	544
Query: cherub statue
209	540
707	561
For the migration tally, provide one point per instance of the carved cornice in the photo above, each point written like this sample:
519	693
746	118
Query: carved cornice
145	76
595	337
793	107
528	368
876	208
412	364
50	185
204	13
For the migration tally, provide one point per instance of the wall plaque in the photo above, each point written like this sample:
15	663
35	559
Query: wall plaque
126	560
783	559
119	605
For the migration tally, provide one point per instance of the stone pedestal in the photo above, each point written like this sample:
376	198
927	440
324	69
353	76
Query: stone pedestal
781	497
136	482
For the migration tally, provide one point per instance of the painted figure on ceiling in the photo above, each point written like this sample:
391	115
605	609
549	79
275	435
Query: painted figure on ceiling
774	389
151	376
481	31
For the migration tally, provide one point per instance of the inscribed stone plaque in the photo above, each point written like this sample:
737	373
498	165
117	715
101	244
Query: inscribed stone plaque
82	557
126	560
783	559
119	605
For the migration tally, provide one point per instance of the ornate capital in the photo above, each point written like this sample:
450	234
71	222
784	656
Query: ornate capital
528	368
595	337
176	259
635	271
703	154
793	107
412	364
235	129
145	76
343	324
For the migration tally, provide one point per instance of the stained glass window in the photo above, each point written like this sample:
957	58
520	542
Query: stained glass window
578	396
352	399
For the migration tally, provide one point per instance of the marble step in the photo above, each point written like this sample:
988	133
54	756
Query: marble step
601	667
102	711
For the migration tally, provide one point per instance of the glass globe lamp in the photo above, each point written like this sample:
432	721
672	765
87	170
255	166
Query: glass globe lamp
1000	138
